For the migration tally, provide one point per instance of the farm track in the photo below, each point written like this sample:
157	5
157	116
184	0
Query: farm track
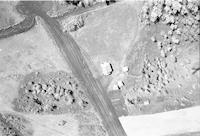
73	56
94	90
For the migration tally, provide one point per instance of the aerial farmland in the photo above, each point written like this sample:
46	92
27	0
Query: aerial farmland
100	68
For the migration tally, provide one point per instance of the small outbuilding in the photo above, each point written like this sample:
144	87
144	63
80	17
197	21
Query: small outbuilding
107	68
125	69
120	84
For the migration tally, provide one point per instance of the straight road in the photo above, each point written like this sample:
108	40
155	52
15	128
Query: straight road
72	54
96	93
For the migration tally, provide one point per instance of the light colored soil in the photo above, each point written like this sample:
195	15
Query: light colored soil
163	124
25	53
107	34
117	36
35	52
154	83
52	125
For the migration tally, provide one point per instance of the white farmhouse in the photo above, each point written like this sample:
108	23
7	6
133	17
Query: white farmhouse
120	83
106	68
125	69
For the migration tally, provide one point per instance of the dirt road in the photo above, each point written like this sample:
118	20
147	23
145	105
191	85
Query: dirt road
72	54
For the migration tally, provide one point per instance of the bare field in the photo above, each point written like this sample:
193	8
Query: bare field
134	58
34	52
25	53
107	36
116	35
184	122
